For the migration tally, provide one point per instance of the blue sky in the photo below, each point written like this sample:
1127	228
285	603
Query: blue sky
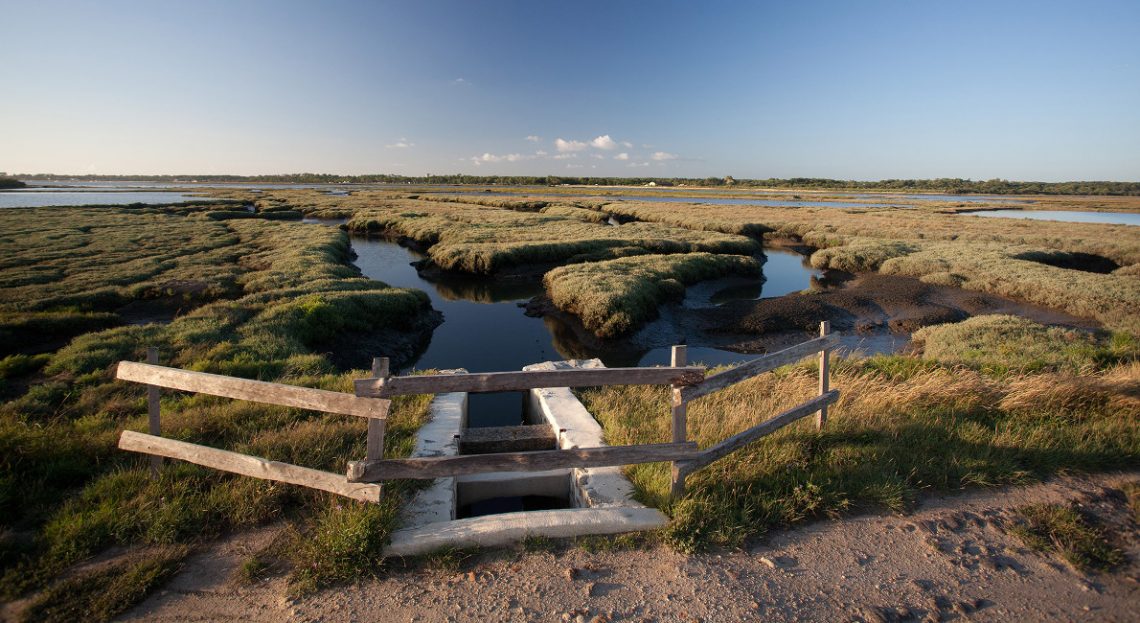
865	90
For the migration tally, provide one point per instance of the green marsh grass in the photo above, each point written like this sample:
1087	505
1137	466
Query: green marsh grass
1002	344
262	298
614	297
484	240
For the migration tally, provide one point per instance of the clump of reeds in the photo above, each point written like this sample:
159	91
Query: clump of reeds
616	296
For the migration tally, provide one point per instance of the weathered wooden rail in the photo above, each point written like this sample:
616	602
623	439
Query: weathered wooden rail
371	401
156	377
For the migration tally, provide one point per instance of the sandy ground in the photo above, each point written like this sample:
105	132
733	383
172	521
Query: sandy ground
949	560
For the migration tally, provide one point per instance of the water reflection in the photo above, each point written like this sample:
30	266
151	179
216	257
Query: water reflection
485	328
1073	216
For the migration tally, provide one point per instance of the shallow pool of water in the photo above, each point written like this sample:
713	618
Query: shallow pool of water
53	198
942	197
1113	218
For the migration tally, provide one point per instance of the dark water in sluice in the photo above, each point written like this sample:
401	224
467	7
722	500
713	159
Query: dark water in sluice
518	504
485	328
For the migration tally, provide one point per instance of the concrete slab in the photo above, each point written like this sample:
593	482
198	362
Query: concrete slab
499	530
438	437
597	487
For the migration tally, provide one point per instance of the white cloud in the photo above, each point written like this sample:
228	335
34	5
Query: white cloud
622	156
534	139
489	158
604	142
401	144
663	155
638	164
565	156
597	156
574	166
540	153
568	146
626	144
461	82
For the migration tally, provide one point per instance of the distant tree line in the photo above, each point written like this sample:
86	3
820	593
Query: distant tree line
957	186
11	182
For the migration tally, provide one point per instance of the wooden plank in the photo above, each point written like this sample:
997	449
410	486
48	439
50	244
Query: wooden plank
491	439
767	427
757	366
447	466
256	391
680	420
374	442
154	411
680	426
248	465
821	417
519	381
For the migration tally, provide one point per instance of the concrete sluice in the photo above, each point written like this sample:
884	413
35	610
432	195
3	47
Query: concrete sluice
487	510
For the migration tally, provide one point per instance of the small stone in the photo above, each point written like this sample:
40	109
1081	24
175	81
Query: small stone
470	576
754	606
768	561
963	608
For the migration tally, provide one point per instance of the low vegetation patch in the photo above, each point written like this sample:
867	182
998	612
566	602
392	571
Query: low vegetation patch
616	296
999	343
101	595
1065	531
497	234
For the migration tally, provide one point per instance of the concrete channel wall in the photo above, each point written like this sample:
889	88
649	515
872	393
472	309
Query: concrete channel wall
603	497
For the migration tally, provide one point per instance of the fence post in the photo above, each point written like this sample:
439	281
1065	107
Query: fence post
375	445
152	410
821	417
680	421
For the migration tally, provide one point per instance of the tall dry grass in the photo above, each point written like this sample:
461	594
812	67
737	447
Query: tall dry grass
901	426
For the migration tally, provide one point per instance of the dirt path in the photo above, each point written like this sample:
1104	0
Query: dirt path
950	560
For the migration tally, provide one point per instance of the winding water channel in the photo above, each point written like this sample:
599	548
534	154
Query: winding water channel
485	328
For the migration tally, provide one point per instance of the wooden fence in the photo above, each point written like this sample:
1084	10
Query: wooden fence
371	401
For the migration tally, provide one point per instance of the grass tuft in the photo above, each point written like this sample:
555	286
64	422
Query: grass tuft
1063	530
103	594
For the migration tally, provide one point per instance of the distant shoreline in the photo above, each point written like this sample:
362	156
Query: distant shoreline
955	186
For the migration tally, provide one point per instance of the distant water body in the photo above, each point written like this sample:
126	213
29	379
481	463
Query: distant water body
51	198
1112	218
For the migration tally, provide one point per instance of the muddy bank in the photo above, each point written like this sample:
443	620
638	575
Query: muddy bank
355	350
877	313
867	305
